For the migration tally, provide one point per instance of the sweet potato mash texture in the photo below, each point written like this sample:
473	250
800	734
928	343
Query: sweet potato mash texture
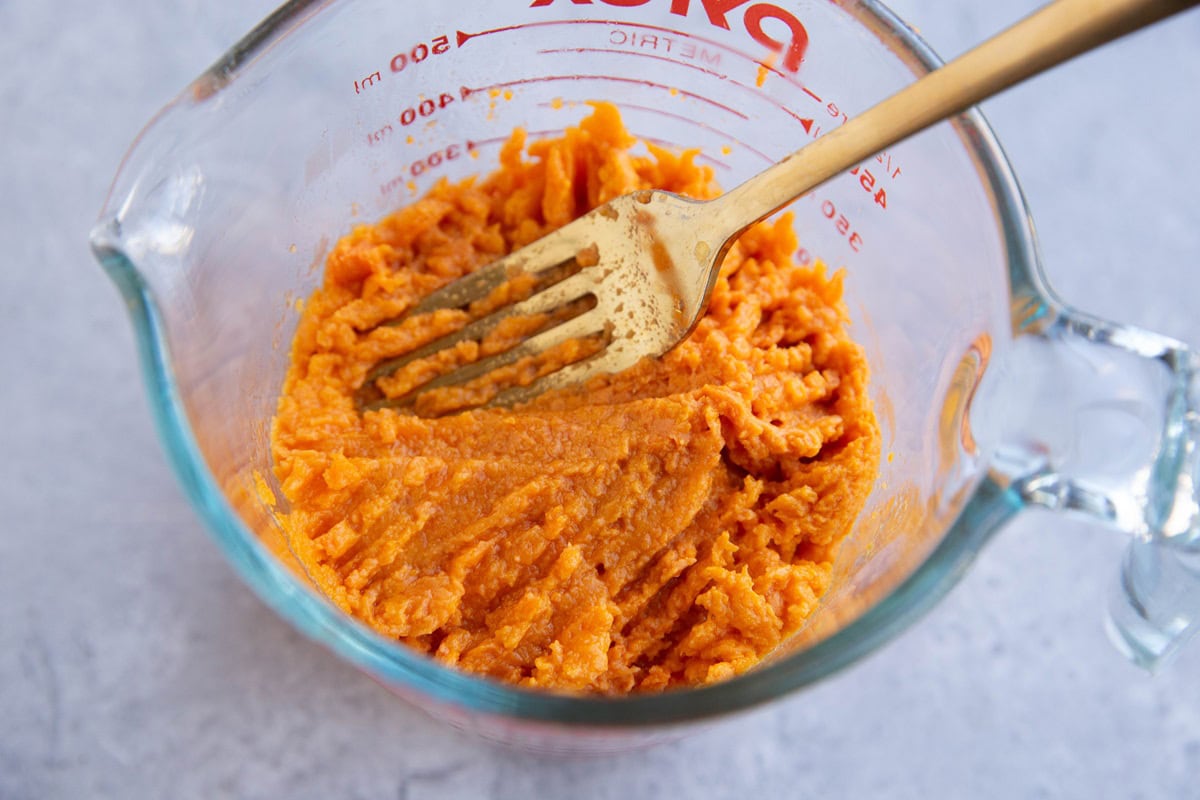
664	527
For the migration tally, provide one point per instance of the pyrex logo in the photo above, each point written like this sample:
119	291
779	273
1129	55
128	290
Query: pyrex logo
756	18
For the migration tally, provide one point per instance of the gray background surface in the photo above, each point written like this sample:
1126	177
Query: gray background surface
134	664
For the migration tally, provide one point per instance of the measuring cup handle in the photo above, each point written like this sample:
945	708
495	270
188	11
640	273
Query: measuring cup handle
1103	420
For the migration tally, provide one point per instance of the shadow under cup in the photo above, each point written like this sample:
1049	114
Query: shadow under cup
333	114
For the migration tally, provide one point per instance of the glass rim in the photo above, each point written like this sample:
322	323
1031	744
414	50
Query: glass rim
408	671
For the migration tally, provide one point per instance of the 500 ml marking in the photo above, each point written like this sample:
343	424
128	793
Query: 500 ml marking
418	53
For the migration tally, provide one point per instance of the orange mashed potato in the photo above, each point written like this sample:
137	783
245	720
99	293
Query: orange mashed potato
663	527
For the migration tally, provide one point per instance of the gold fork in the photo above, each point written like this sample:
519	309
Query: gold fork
641	267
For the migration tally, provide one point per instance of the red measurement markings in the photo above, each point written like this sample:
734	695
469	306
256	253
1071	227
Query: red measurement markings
677	62
375	137
420	52
885	158
652	41
842	224
737	85
867	180
434	160
463	38
466	90
475	144
426	163
793	48
426	108
414	55
698	124
835	112
363	84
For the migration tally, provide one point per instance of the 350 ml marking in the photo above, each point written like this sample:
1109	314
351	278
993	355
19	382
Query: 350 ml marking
842	224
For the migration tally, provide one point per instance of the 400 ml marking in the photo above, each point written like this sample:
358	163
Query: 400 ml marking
427	107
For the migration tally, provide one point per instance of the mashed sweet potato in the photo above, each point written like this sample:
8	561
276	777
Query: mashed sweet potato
664	527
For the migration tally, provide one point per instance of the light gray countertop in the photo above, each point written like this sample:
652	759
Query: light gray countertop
133	663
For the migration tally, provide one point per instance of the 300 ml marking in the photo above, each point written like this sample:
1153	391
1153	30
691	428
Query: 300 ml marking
426	163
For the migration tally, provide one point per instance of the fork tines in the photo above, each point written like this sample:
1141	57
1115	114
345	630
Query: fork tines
532	315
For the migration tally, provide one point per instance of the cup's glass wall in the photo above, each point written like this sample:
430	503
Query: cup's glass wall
229	203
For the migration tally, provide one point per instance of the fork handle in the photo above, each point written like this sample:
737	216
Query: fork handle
1056	33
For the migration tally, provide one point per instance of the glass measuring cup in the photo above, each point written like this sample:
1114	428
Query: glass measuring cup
332	113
